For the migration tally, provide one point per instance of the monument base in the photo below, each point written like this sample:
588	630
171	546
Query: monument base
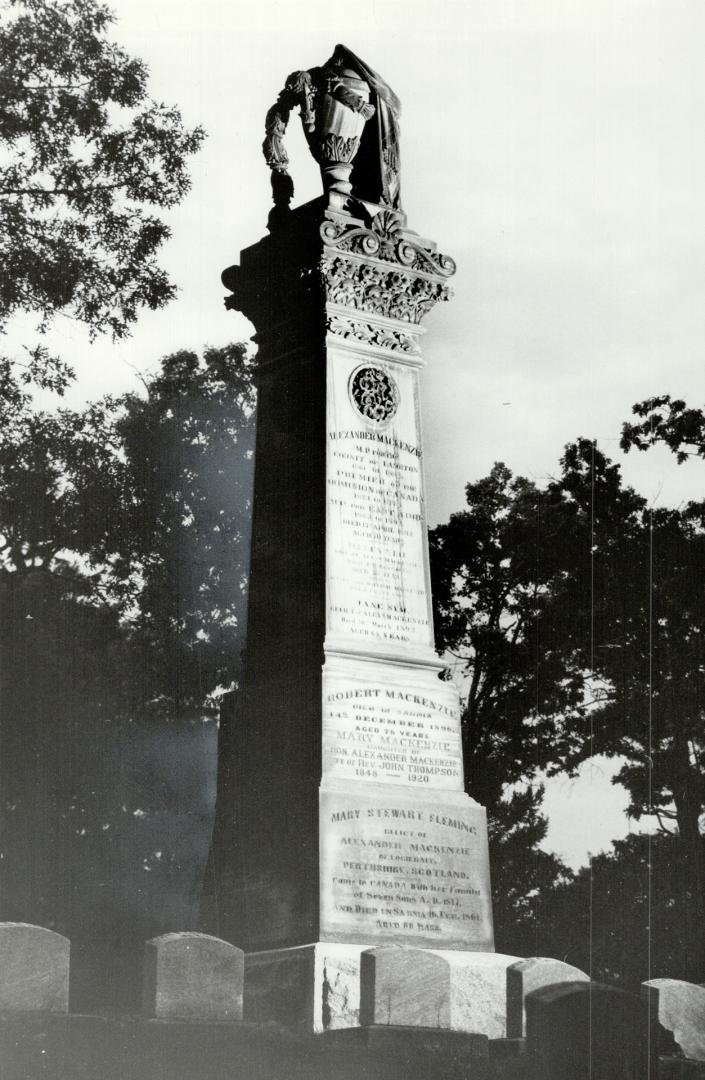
317	987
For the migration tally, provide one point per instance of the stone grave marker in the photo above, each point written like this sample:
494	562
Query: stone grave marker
679	1008
584	1030
34	969
190	976
527	975
404	986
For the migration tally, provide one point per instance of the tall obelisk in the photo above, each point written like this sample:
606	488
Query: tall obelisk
342	817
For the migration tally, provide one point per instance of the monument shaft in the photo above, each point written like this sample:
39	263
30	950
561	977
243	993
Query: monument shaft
345	818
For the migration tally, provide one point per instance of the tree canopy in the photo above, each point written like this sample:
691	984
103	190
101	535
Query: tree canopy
669	421
139	505
621	918
123	568
570	612
87	158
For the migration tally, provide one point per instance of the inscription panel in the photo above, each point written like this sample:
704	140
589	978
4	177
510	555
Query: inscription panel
376	530
391	725
402	869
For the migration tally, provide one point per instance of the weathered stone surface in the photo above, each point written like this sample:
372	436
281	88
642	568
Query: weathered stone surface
478	992
312	986
192	976
34	969
532	974
280	987
368	713
348	107
405	987
371	840
583	1030
679	1008
318	987
404	867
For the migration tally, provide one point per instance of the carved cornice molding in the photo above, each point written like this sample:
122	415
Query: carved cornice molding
387	240
373	266
384	337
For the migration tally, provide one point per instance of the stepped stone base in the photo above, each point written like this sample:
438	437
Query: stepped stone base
317	988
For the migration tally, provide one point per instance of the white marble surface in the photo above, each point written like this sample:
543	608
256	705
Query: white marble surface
403	866
390	723
377	548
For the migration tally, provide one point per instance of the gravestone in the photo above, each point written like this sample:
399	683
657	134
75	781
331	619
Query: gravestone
190	976
585	1030
405	987
532	974
342	819
34	969
678	1009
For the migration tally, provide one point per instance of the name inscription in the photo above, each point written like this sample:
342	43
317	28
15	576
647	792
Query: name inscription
404	870
377	587
376	730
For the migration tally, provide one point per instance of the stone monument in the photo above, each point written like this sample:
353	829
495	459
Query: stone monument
342	819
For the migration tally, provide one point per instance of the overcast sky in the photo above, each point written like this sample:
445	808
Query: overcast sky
555	150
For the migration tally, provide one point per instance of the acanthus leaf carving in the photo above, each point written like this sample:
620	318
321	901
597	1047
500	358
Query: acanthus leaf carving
371	334
379	290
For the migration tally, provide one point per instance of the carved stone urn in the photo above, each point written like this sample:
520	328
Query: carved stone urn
342	114
357	156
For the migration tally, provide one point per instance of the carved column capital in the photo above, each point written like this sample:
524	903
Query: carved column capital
382	268
350	278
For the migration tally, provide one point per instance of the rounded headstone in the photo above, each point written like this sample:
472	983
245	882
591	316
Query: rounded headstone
34	969
192	976
582	1030
531	974
405	987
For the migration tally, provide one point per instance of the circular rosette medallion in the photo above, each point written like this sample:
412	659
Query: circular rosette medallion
374	394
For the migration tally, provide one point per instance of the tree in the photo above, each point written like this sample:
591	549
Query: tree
189	451
669	421
494	573
620	919
140	504
61	475
489	589
523	876
123	543
582	638
87	154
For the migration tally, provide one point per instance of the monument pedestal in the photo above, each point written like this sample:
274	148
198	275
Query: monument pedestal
317	987
342	820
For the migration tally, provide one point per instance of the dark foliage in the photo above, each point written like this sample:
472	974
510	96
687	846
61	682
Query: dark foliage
87	159
620	919
576	616
669	421
123	545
